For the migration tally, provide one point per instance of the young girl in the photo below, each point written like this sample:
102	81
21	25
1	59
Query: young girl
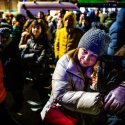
36	56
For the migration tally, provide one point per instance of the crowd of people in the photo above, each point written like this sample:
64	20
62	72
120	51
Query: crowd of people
78	58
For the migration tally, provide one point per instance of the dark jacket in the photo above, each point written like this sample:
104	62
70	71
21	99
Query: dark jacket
35	55
13	71
117	33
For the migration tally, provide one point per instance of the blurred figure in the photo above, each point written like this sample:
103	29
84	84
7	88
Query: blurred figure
40	14
17	27
82	15
67	38
117	33
55	21
4	23
25	35
109	20
5	115
85	24
93	14
13	73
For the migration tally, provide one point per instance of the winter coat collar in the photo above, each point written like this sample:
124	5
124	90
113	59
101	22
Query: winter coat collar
73	67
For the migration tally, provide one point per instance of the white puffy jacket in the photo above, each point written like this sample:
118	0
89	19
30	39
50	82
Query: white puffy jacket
68	88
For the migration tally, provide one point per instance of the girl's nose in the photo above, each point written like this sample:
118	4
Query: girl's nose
86	57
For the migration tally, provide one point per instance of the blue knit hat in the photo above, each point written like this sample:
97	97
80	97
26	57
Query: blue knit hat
94	40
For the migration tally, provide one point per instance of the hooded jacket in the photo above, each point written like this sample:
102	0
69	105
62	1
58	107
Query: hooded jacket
67	38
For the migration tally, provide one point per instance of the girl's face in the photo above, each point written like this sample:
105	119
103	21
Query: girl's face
86	58
36	31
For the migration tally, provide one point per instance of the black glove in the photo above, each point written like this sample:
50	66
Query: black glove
115	100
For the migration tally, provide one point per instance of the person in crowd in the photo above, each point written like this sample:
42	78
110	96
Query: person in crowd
102	15
111	17
58	17
93	14
67	38
5	115
73	90
13	73
59	25
85	24
40	14
17	27
54	26
4	23
6	16
13	68
36	56
117	31
11	16
82	15
25	35
78	14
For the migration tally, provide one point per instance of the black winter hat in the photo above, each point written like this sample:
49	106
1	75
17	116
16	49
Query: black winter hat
19	16
94	40
4	31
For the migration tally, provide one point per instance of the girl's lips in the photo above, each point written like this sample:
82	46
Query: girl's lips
84	63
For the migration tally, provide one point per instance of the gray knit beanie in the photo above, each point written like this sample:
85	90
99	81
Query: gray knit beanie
94	40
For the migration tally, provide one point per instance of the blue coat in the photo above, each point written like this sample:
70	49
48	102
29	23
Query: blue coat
117	33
